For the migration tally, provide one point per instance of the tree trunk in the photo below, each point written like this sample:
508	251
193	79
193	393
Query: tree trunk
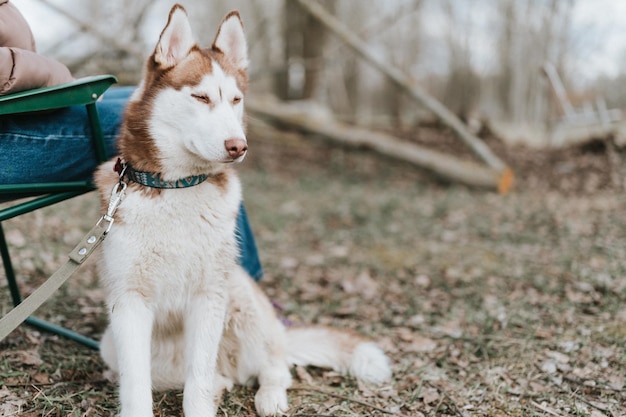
401	80
446	166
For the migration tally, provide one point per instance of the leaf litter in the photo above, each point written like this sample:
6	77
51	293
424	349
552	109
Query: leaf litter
487	305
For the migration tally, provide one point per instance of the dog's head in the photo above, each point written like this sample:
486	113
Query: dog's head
186	116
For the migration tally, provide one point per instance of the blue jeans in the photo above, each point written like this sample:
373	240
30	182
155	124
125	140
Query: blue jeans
56	146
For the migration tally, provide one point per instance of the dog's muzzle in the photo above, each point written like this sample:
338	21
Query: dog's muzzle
236	148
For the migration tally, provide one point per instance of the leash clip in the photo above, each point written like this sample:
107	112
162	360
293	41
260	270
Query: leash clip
117	195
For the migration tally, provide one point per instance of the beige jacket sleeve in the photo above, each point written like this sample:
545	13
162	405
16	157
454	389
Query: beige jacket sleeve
24	70
21	68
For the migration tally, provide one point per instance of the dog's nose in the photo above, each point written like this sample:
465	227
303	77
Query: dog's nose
235	147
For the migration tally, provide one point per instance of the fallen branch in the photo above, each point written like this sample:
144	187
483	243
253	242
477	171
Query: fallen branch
402	81
446	166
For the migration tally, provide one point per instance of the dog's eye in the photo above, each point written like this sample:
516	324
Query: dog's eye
237	100
202	98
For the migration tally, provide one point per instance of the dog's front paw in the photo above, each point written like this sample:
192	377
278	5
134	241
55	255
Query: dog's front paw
131	413
271	401
199	405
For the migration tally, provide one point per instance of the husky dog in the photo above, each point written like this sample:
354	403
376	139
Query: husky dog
183	314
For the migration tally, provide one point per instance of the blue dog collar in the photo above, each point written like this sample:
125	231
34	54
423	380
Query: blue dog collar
154	180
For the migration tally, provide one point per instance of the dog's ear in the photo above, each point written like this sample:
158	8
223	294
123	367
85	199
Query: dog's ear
231	40
176	39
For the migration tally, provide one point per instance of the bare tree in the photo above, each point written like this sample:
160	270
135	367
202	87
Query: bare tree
293	56
532	32
304	41
404	82
462	87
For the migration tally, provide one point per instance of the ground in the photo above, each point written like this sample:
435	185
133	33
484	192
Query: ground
487	304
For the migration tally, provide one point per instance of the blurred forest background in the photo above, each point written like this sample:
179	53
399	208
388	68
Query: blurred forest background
483	59
498	305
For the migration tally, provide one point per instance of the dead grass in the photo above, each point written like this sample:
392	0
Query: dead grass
488	305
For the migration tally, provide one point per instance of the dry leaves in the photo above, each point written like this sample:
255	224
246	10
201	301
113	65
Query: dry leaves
488	305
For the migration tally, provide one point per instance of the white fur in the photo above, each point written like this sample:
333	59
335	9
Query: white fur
168	257
232	42
176	39
201	128
183	314
370	364
343	352
256	348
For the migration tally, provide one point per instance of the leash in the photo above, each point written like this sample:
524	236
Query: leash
77	257
91	241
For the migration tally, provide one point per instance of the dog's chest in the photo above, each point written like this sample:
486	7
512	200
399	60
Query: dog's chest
179	217
178	242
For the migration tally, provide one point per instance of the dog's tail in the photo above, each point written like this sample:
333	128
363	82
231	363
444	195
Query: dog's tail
339	350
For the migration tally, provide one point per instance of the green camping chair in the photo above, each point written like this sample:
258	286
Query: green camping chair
25	198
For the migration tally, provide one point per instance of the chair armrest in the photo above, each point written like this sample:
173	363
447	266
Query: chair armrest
79	92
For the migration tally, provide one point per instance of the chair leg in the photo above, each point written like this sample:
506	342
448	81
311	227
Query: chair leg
63	332
8	269
17	299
